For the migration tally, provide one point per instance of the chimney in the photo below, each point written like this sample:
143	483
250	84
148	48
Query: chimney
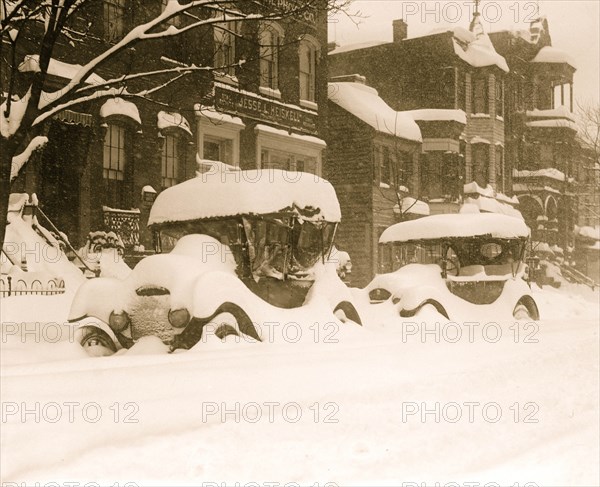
400	30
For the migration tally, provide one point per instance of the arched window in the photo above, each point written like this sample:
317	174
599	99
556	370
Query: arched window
224	39
270	37
175	131
307	53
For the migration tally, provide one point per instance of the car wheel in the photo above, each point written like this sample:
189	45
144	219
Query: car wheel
409	313
521	313
193	331
96	342
345	311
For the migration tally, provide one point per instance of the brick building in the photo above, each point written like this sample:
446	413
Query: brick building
264	107
372	161
456	70
541	144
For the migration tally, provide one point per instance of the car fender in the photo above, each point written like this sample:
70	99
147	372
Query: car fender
99	297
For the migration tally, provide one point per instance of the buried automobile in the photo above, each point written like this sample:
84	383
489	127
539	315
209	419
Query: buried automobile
232	244
463	265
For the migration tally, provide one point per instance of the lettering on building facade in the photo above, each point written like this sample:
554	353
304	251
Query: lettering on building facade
251	106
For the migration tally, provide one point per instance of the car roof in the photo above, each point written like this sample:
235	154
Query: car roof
251	192
438	227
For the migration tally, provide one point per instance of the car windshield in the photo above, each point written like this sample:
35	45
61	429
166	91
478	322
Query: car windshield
287	246
467	252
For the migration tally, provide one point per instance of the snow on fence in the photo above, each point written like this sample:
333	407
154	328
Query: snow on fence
20	286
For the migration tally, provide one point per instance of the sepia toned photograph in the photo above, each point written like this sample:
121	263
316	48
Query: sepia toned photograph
300	243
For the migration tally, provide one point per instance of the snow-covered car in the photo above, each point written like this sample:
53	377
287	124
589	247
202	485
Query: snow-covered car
464	265
239	243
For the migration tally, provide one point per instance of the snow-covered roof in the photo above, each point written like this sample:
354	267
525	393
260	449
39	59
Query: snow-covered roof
413	206
364	103
477	50
438	115
549	54
589	232
473	187
119	106
558	112
554	123
550	172
31	63
251	192
308	139
173	120
456	225
356	46
479	140
492	205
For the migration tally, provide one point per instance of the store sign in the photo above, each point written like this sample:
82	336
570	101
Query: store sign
257	108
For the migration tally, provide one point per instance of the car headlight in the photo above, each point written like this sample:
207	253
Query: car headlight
179	317
118	321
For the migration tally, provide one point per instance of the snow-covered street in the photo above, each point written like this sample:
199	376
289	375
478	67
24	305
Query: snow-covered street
386	404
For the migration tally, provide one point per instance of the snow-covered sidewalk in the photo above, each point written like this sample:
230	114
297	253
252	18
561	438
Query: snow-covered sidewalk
376	405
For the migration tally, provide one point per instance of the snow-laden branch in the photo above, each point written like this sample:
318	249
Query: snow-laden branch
137	34
147	31
107	91
19	161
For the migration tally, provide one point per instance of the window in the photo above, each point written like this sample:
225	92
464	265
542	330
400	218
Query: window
499	168
270	41
224	37
480	160
114	16
287	161
219	137
461	93
114	153
479	98
499	97
218	149
307	70
385	165
170	161
114	164
278	150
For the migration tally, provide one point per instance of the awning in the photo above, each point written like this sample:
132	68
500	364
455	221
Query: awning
119	106
173	120
76	118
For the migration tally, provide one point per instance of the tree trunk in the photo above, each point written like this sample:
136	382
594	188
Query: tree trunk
5	166
7	151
